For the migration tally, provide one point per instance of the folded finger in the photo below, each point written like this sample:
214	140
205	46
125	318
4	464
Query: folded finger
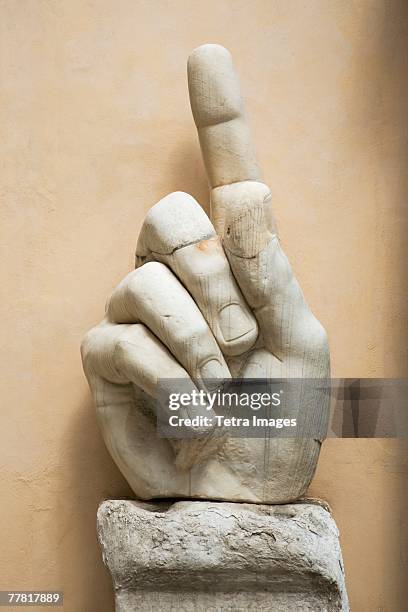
153	296
178	233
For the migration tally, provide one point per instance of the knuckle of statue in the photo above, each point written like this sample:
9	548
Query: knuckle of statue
133	288
121	353
149	269
86	342
195	333
89	345
123	347
143	278
124	287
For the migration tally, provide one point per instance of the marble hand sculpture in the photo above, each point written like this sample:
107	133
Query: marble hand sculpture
208	299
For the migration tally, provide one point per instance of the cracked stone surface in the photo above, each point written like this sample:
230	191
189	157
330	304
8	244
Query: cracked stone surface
202	555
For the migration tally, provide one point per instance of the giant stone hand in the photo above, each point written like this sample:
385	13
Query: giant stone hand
208	299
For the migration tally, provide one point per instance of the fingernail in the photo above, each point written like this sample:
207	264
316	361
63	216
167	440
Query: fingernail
212	374
234	322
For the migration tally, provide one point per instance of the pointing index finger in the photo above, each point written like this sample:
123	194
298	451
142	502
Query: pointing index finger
242	214
220	118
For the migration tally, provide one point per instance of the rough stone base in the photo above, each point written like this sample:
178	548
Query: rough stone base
217	556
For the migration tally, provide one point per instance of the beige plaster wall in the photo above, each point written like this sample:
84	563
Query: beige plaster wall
95	127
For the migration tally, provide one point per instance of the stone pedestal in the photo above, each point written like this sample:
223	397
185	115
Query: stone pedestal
206	556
